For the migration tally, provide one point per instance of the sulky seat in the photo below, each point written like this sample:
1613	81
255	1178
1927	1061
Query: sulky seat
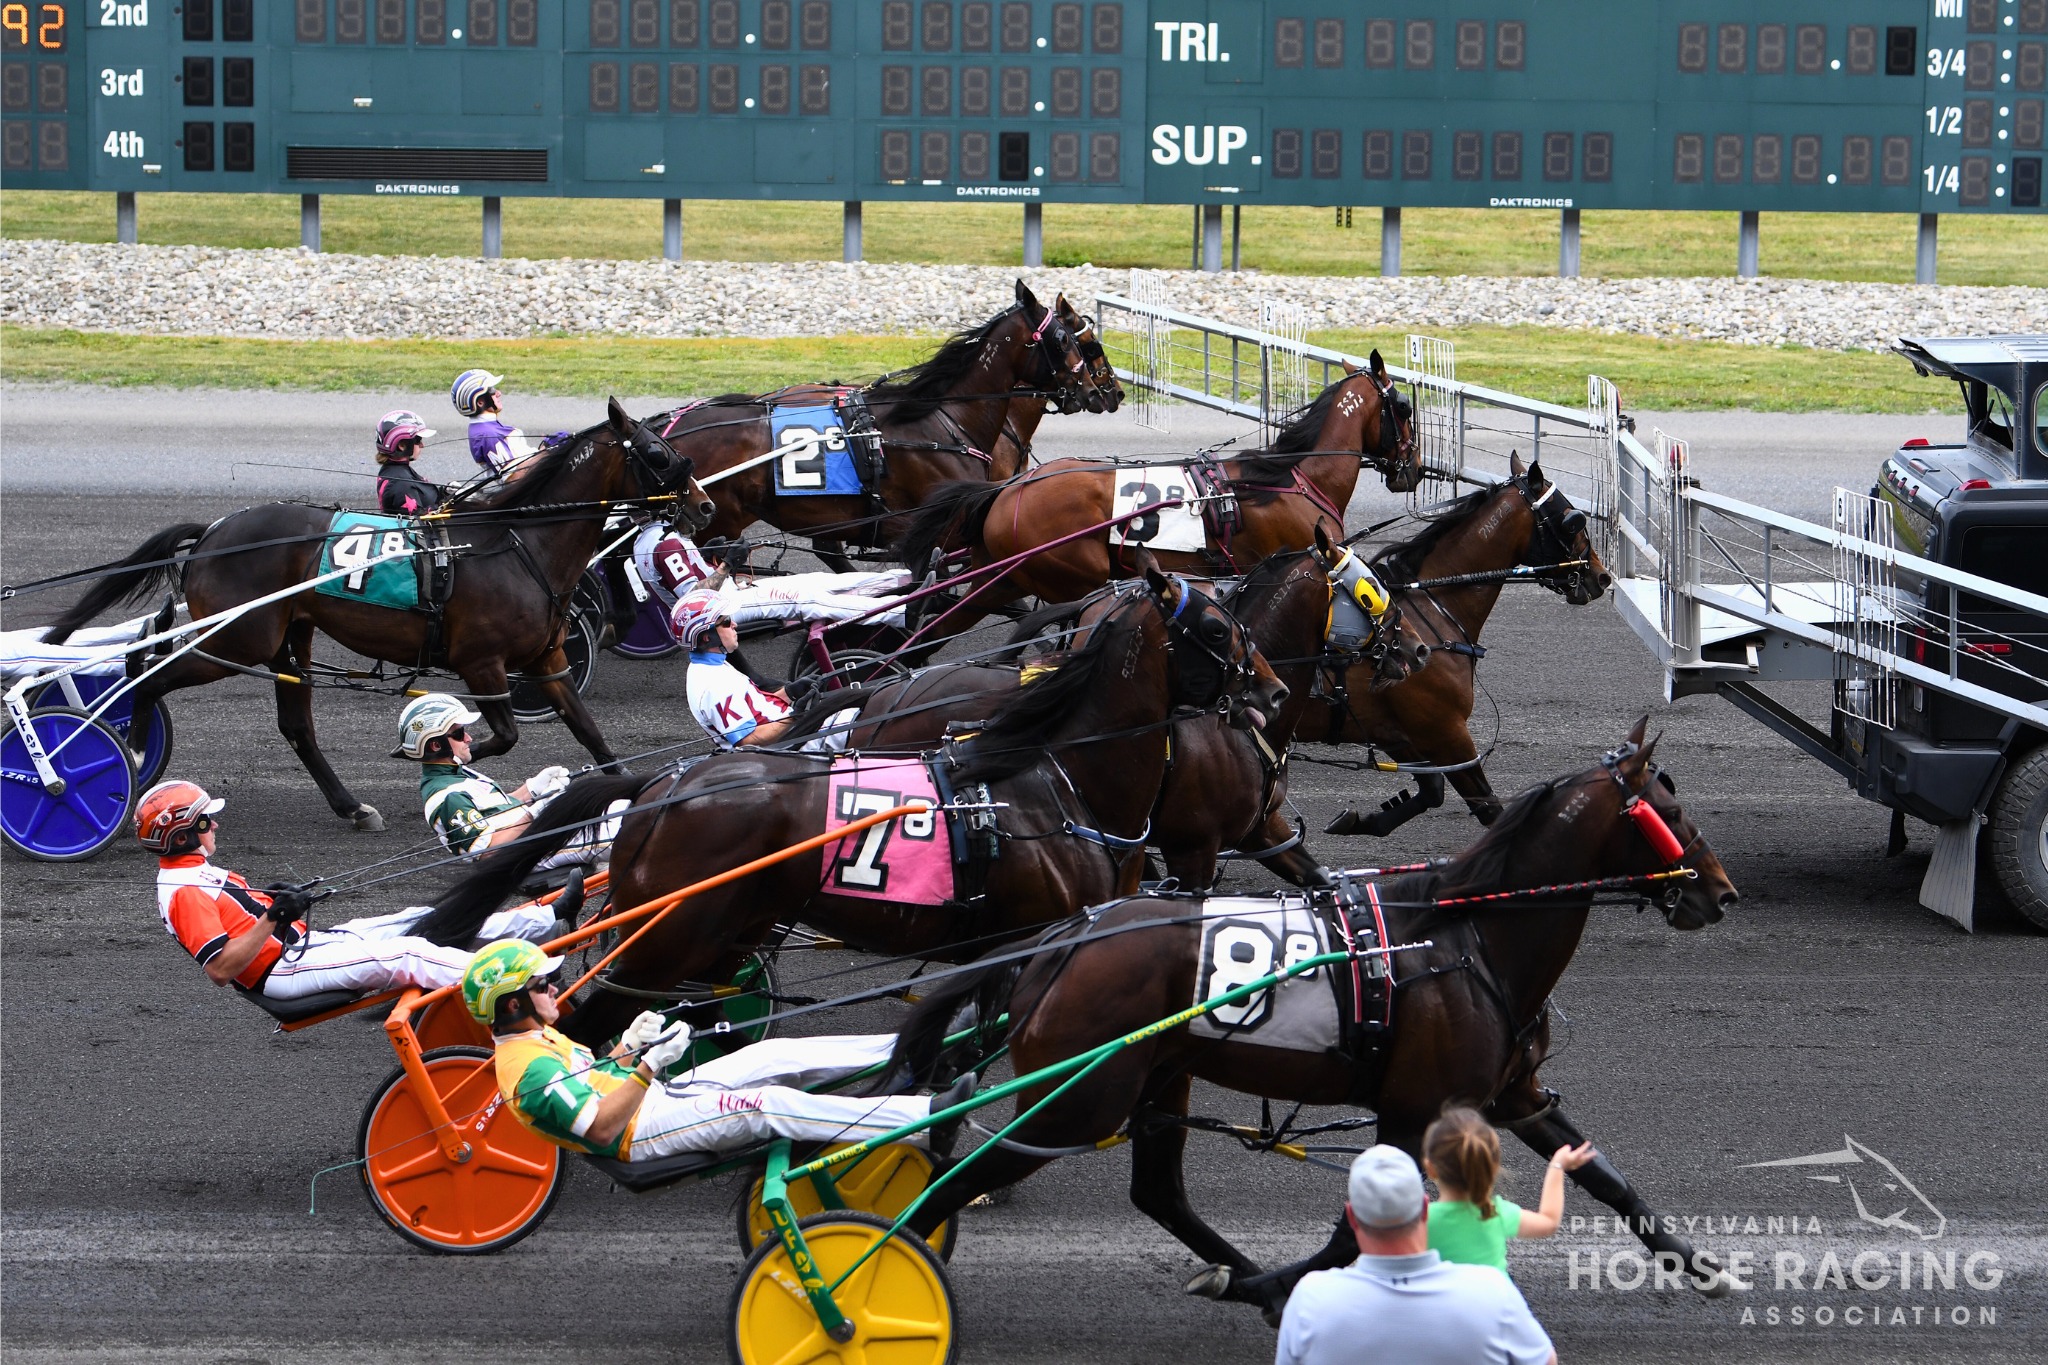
305	1007
641	1176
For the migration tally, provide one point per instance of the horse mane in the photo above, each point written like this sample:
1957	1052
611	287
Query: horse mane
916	392
1299	438
536	477
1016	736
807	722
1402	562
1270	573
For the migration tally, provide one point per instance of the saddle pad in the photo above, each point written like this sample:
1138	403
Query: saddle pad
1247	937
1138	487
356	538
907	860
816	461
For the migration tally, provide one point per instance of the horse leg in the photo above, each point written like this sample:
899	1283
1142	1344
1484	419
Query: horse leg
568	704
1478	792
491	690
1395	811
1296	864
1192	867
295	723
832	553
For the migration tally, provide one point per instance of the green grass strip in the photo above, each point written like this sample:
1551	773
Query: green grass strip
1536	362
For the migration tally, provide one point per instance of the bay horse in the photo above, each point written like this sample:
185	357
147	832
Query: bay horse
1105	392
520	547
1426	718
1225	786
1072	761
1306	478
1469	1015
940	420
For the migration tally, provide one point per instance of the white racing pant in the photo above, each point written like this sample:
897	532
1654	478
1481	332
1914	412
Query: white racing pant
749	1096
379	953
591	845
831	597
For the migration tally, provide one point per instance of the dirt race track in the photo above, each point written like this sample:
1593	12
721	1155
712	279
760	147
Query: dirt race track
159	1141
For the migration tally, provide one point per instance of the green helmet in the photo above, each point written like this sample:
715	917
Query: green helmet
426	719
499	969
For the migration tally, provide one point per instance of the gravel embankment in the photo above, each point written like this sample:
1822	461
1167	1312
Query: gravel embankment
295	295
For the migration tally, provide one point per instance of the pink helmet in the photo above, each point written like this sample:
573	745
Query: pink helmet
695	614
395	428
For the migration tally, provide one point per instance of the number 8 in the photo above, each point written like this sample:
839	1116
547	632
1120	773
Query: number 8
1228	970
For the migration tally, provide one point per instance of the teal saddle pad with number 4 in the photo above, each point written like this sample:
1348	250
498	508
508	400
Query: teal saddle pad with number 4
354	539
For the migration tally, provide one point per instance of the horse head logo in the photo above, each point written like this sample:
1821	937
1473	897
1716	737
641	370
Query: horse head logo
1914	1212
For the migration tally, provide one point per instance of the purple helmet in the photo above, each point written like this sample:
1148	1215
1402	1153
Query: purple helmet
396	428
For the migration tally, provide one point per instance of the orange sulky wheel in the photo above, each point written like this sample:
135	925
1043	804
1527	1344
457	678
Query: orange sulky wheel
483	1204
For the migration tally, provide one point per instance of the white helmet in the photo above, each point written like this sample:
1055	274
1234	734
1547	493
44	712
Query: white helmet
470	389
695	614
426	719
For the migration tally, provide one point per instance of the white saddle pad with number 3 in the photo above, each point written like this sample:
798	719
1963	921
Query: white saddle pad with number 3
1139	487
1247	937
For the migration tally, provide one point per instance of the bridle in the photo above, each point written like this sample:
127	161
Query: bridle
1205	677
1648	822
1395	412
1108	390
1054	343
658	470
1560	538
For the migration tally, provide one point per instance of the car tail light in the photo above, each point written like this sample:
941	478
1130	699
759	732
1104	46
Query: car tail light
1971	485
1916	441
2000	648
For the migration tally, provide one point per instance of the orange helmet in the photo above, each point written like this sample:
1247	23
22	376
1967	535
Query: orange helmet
171	816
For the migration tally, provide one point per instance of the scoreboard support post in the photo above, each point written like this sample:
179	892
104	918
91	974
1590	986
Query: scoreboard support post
124	217
1923	256
309	222
1568	243
1746	244
1390	240
849	232
1212	239
494	227
1034	236
1236	222
671	229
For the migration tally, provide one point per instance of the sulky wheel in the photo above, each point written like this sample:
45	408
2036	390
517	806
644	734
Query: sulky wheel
470	1208
648	637
120	717
883	1183
99	785
445	1024
850	667
529	703
2018	836
899	1302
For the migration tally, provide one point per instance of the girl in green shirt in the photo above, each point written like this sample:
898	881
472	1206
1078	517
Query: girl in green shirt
1461	1153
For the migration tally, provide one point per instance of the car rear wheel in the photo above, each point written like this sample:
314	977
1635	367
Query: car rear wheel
2019	836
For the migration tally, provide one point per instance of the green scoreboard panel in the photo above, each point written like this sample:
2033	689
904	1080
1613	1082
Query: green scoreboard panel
1853	105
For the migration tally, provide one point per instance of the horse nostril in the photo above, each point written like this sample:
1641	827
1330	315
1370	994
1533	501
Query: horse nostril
1728	898
1606	580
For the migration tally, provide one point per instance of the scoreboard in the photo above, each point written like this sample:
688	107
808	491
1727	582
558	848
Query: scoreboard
1844	105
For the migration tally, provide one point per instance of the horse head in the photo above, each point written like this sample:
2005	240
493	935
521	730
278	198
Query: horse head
658	470
1387	435
1212	658
1052	362
1560	536
1105	391
1650	832
1394	650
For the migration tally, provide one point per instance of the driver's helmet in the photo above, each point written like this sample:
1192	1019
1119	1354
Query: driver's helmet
696	612
426	719
171	816
394	429
501	969
470	389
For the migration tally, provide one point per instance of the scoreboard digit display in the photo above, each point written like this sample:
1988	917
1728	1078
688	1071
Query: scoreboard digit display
1758	105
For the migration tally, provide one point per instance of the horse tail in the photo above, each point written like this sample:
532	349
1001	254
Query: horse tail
923	1035
151	566
459	913
949	519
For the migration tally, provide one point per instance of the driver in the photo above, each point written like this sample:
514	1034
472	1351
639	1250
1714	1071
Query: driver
493	444
401	492
614	1107
259	942
670	564
732	707
470	812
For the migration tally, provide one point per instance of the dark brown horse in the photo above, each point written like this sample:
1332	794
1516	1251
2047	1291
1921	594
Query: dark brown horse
1469	1015
1426	719
1282	495
1105	392
940	420
1071	762
520	548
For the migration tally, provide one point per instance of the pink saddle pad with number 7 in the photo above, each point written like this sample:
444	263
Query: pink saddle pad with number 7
908	860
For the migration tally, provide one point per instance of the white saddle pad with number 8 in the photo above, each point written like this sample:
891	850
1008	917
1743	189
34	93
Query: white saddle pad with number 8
1141	487
1247	937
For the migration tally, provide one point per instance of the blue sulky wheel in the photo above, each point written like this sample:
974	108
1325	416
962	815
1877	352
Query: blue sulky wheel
99	786
120	717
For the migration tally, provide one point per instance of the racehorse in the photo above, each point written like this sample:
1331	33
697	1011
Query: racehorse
1426	718
939	420
1105	392
1072	762
1281	494
1225	786
520	547
1469	1014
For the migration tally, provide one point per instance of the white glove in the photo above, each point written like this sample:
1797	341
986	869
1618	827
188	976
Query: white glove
548	783
668	1049
643	1031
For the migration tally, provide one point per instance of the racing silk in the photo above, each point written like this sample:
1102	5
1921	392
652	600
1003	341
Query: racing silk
495	446
554	1086
401	492
669	562
463	805
726	702
204	906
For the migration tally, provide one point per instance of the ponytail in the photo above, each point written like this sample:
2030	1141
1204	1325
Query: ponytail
1463	1148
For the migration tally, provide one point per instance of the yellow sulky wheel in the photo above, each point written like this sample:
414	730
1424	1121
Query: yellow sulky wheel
883	1182
899	1301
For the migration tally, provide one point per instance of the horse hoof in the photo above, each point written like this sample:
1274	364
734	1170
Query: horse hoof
1347	823
1210	1282
1720	1287
367	820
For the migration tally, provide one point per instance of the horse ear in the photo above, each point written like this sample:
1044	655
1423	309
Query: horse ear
1515	465
1350	368
1025	296
1641	728
1375	364
1324	547
617	416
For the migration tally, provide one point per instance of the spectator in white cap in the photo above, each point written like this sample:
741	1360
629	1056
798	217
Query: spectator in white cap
1399	1302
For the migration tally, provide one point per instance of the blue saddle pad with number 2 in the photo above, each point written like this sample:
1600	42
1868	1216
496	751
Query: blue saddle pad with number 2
816	461
356	538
